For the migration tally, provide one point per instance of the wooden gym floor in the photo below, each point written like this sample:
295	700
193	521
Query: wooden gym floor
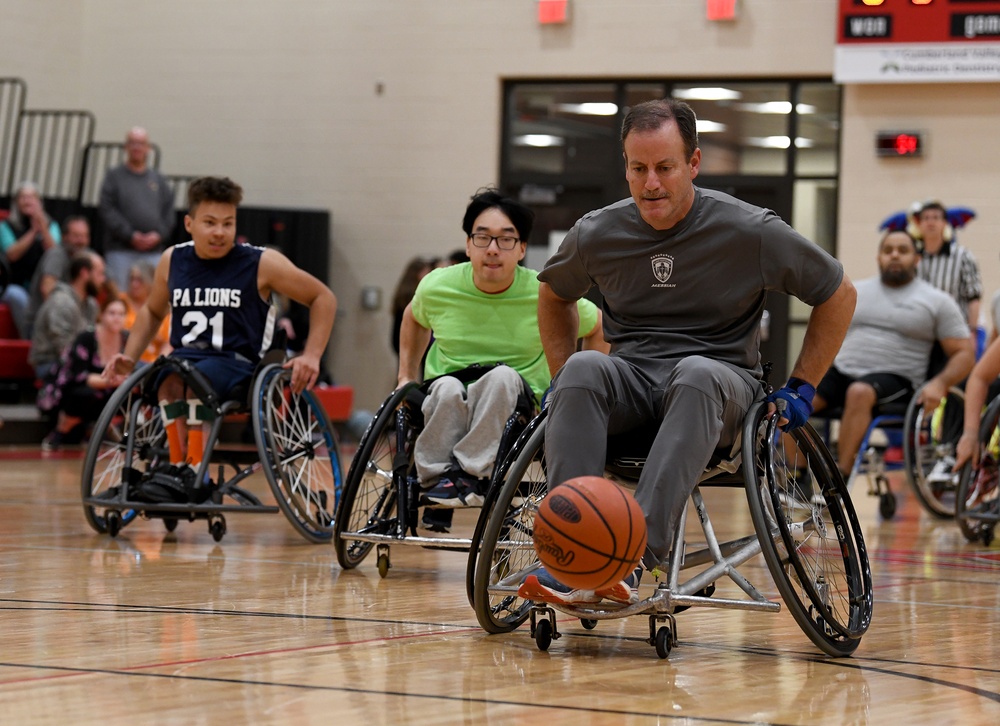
264	628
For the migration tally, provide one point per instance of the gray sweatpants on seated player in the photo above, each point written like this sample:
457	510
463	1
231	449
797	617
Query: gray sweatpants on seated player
700	402
464	426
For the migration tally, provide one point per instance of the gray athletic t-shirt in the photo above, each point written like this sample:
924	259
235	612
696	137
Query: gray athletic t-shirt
894	329
696	289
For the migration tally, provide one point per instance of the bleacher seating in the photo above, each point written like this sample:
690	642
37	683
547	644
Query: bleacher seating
15	371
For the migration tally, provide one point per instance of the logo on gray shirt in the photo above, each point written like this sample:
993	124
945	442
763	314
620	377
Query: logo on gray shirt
663	266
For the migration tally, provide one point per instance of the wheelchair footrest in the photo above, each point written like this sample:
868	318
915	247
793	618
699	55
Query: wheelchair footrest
180	507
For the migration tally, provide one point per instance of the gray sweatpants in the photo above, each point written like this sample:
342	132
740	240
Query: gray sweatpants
700	403
464	426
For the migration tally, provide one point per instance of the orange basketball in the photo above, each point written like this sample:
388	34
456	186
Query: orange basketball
589	533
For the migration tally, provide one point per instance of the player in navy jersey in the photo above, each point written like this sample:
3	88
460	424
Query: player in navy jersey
220	297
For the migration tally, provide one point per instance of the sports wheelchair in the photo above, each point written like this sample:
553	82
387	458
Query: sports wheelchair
977	509
804	525
127	474
927	443
381	494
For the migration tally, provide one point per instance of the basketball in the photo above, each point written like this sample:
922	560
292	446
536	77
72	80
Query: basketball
589	533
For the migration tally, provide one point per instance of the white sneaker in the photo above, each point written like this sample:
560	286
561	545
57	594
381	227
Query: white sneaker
942	472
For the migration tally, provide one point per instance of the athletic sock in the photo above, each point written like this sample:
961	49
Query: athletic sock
171	412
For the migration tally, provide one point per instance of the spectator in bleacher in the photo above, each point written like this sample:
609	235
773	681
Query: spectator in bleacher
69	309
79	389
24	237
140	283
54	266
137	209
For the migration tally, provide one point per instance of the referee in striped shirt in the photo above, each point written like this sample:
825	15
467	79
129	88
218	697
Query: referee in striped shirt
946	264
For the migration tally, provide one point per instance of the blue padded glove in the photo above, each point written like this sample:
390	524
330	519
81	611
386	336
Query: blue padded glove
794	402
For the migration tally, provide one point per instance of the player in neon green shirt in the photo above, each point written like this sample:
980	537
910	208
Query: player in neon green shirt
482	311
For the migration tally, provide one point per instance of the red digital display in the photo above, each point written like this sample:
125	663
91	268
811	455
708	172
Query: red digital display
898	143
918	21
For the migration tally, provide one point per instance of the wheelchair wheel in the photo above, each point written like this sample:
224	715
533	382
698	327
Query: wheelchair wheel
299	451
928	440
496	484
128	439
370	495
977	506
507	553
809	532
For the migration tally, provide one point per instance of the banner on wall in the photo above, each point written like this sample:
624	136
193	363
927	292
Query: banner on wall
917	41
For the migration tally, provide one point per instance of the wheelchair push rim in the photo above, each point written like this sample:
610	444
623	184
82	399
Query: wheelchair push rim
809	532
924	445
507	553
128	438
977	508
299	451
370	493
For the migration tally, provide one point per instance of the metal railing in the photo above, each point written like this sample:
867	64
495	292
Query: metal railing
49	150
13	92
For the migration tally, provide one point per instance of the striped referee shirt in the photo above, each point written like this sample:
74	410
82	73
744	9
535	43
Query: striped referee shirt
954	270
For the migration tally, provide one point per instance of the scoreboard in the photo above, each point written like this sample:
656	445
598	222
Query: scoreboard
918	21
906	41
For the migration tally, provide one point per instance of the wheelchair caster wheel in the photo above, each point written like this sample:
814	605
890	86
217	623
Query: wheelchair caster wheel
887	505
588	624
217	528
986	535
664	642
383	565
113	522
170	523
543	634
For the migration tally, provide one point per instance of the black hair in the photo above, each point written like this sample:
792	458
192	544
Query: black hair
213	189
489	198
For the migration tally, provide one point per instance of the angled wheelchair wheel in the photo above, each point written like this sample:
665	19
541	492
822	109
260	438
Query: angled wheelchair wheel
977	506
128	440
299	452
507	553
368	505
929	451
809	532
503	464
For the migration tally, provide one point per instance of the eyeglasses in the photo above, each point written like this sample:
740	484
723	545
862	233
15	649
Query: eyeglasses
504	242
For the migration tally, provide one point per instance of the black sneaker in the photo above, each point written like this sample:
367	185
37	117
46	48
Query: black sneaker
455	490
54	441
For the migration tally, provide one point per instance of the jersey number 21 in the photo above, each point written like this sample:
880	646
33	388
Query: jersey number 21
199	323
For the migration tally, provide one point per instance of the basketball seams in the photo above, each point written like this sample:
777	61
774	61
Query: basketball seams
567	536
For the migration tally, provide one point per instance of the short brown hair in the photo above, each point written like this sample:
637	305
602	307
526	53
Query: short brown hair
651	115
213	189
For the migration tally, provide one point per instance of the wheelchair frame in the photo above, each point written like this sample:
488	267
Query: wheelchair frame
382	481
782	503
296	448
922	449
977	509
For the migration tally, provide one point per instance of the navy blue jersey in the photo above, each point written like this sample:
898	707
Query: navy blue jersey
215	304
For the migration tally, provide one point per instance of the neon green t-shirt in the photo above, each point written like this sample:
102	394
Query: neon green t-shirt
472	326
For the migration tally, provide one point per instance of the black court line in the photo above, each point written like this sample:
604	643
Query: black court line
856	663
374	692
76	607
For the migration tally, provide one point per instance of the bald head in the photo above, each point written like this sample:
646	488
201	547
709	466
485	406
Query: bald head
136	148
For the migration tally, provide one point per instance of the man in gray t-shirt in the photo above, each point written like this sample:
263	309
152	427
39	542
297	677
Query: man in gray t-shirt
137	210
884	357
683	273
